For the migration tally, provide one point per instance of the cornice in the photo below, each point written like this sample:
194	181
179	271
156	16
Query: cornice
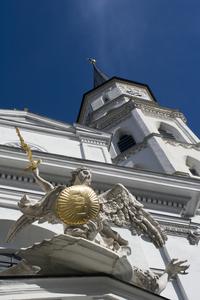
179	230
100	286
173	225
182	144
167	204
13	160
115	116
93	141
75	132
118	114
27	184
156	110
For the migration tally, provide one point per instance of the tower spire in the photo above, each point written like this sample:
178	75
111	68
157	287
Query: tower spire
99	76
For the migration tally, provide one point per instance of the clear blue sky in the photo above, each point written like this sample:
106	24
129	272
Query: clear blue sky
45	43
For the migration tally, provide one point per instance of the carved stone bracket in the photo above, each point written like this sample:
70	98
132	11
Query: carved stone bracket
194	237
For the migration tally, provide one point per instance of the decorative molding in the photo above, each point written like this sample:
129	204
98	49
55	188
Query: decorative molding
93	141
194	237
159	111
177	229
117	115
161	202
182	144
114	116
22	178
174	206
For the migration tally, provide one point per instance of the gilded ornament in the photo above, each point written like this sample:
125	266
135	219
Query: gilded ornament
77	205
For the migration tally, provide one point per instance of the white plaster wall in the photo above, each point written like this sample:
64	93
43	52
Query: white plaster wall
180	247
177	155
144	159
145	255
153	123
56	143
96	153
51	143
137	257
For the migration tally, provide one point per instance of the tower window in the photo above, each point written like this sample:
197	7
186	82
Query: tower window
193	171
125	142
166	134
105	98
193	165
170	132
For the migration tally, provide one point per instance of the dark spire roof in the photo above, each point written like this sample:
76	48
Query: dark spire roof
99	76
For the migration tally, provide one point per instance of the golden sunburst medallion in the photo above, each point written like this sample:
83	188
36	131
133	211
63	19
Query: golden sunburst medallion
77	204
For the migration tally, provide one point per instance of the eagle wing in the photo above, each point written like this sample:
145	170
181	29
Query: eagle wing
121	208
22	222
41	211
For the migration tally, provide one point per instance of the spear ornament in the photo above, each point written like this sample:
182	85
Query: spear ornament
25	147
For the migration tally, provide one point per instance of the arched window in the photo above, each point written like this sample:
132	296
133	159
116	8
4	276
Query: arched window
193	165
125	142
169	132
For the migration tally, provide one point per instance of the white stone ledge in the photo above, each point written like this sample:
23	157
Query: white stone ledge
95	287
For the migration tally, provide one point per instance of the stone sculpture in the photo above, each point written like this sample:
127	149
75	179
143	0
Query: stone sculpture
89	217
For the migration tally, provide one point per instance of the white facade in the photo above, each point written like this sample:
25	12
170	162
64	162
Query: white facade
158	170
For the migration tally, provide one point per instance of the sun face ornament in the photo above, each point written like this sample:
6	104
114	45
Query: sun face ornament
77	205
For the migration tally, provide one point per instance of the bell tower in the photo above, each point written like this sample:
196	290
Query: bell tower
145	135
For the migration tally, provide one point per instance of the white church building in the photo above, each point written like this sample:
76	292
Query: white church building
123	136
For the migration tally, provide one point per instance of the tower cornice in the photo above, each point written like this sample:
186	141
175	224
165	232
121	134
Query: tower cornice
118	114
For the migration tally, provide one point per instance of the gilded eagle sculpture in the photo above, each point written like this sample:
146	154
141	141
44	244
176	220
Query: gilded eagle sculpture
83	212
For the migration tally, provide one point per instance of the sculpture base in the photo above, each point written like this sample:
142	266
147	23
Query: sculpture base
67	255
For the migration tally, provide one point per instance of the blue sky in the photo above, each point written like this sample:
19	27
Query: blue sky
45	44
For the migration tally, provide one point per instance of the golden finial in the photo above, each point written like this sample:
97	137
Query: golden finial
92	61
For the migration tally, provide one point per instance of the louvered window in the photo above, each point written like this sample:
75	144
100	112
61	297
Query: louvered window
125	142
